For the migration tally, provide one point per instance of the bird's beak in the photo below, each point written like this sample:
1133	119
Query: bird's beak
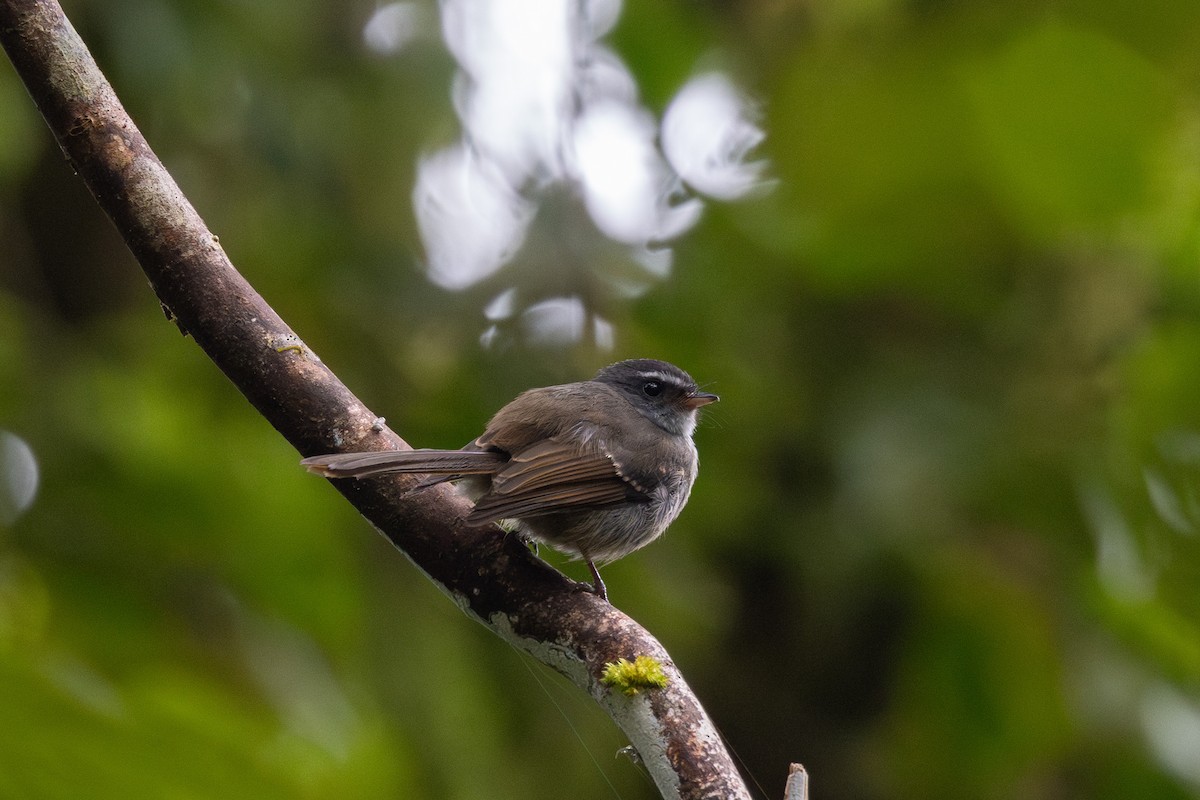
697	399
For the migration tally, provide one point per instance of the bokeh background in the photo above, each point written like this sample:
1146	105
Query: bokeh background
944	543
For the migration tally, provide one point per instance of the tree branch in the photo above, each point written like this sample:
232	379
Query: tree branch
490	576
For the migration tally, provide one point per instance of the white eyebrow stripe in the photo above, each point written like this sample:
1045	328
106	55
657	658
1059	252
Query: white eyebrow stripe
659	377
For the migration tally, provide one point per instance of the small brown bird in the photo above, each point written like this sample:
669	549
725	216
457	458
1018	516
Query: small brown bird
595	469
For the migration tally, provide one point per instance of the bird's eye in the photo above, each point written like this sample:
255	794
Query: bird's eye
652	388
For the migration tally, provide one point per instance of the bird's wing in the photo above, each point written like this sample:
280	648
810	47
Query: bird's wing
557	475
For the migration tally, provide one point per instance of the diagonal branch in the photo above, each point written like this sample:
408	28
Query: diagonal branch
490	576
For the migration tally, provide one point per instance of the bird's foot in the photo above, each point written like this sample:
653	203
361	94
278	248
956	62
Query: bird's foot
597	585
523	538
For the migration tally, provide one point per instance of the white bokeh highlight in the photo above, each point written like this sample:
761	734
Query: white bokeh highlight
626	184
471	219
19	477
548	111
708	133
394	26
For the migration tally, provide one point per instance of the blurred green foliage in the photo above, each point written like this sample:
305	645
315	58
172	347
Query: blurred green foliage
944	543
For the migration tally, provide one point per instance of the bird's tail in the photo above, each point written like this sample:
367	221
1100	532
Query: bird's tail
450	463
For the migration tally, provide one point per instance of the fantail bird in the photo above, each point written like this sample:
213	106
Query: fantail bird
595	469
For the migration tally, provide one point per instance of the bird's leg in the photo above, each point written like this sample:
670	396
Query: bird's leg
598	583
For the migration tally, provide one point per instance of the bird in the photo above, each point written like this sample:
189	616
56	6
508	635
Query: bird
595	469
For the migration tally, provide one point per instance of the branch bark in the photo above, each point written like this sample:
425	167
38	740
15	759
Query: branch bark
493	578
